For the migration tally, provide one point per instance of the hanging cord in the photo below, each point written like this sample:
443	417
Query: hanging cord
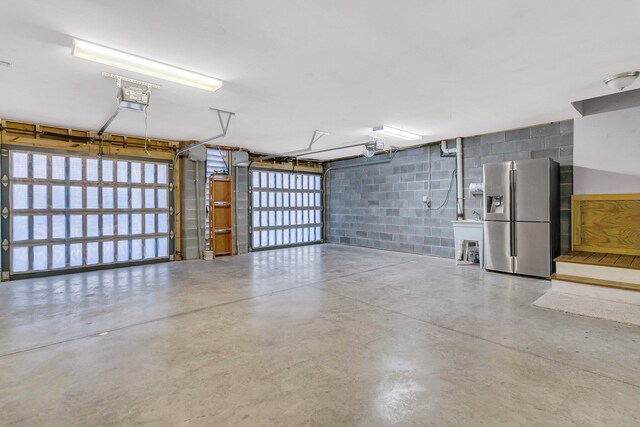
224	160
101	147
446	199
146	130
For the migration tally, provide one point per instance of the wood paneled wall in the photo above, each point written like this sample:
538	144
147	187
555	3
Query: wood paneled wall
606	223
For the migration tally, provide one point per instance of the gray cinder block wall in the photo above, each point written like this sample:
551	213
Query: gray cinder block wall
380	206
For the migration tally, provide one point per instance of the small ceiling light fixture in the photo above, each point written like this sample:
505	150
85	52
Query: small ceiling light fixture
397	133
138	64
621	80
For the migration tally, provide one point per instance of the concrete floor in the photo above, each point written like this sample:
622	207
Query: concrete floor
317	335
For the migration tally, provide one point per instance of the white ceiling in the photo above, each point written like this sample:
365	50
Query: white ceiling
439	68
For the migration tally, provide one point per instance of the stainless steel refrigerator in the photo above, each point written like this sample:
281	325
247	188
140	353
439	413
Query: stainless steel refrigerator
522	216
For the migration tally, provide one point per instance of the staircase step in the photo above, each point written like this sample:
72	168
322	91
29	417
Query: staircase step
596	282
601	259
598	272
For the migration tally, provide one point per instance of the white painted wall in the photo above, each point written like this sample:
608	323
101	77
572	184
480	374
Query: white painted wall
607	153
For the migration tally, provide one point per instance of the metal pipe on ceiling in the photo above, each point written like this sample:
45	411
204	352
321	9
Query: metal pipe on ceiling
307	152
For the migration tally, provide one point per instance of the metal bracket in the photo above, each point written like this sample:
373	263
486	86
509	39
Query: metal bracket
223	124
5	180
120	79
171	234
5	245
317	134
5	213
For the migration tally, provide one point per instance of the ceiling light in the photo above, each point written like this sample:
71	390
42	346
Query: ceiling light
622	80
397	133
137	64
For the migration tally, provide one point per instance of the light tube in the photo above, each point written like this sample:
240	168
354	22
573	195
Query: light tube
397	133
137	64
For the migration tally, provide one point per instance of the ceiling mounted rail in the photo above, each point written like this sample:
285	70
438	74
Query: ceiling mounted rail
306	152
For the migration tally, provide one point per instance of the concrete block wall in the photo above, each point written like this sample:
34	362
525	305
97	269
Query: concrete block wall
380	206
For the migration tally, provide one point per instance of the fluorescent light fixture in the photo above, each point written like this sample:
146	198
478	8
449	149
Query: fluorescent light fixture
397	133
137	64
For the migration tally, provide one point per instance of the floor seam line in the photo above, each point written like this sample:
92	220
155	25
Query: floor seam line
479	338
171	316
186	313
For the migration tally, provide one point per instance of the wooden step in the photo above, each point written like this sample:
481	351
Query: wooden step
601	259
596	282
610	271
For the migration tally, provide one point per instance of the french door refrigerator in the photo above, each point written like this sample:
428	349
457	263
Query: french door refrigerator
522	216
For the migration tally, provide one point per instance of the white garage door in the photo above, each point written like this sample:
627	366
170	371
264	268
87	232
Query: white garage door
71	212
286	209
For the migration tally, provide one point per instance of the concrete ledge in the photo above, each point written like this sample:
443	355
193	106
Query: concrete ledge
590	307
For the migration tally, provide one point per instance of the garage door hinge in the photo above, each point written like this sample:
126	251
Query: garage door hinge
5	180
171	234
5	213
171	186
5	152
5	245
171	210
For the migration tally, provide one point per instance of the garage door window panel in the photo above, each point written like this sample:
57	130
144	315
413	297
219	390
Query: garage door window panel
284	207
70	211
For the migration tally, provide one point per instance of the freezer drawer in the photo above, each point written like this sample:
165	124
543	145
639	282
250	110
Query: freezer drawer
497	246
532	249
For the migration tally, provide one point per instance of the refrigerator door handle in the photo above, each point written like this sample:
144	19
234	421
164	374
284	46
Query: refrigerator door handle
512	211
513	174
